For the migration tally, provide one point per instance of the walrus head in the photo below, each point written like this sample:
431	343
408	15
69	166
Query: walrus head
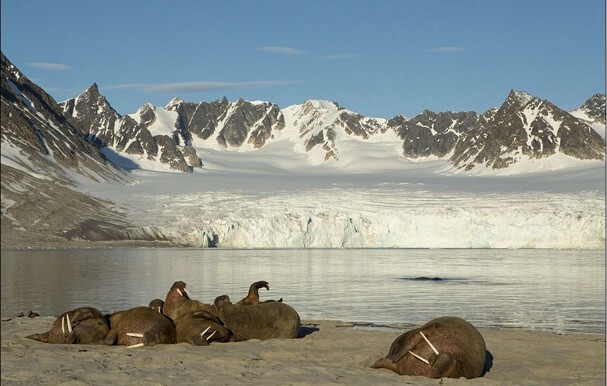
179	287
157	305
222	302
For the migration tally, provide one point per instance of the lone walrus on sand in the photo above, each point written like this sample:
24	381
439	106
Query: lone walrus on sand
84	325
445	347
265	320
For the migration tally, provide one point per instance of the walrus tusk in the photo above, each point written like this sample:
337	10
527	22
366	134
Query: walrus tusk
179	291
204	332
418	357
69	324
134	334
63	325
135	345
209	337
431	346
186	291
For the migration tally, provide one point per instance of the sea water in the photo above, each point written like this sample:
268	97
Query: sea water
562	291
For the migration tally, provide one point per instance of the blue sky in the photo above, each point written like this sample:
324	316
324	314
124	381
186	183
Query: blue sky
379	58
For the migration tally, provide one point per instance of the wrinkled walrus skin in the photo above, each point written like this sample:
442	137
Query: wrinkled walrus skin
155	328
265	320
461	350
88	324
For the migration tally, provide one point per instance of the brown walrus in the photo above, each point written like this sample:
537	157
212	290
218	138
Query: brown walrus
253	295
201	328
140	326
445	347
178	302
265	320
84	325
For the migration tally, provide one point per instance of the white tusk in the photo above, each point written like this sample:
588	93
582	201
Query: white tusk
205	331
187	292
69	324
134	334
418	357
178	290
209	337
431	346
135	345
63	325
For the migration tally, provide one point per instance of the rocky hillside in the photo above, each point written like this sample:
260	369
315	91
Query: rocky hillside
523	127
42	158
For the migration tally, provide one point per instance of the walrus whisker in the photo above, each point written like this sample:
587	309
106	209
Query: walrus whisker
63	325
431	345
134	334
69	324
135	345
418	357
179	291
209	337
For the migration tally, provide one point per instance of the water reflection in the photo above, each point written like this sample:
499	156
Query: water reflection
562	291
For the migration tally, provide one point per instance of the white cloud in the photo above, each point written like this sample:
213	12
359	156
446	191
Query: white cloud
282	50
185	87
50	66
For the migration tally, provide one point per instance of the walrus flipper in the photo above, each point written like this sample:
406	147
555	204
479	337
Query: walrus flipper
253	295
207	315
43	337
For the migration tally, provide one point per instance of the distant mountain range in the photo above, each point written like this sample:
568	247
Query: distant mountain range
524	126
48	146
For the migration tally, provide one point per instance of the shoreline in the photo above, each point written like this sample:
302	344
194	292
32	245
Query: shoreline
328	352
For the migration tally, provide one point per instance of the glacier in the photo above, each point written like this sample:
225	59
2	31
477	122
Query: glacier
262	200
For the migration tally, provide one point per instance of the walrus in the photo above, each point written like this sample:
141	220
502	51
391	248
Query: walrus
265	320
445	347
157	305
178	302
84	325
201	328
253	295
140	326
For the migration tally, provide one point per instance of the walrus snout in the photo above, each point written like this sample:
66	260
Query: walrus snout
181	289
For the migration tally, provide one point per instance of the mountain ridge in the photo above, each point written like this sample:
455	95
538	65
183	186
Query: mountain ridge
524	126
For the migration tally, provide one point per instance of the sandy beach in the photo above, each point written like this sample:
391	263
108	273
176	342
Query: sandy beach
328	352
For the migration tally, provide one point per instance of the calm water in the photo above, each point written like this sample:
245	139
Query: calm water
560	291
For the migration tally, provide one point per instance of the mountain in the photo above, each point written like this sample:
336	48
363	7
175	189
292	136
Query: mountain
43	160
526	127
144	135
523	127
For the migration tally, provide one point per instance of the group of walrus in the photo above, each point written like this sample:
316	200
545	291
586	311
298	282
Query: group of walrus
445	347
